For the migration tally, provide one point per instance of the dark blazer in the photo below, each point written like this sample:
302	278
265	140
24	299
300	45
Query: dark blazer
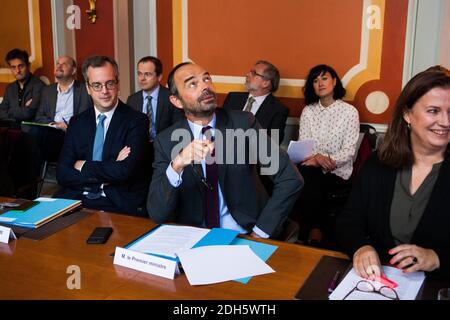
366	217
166	113
243	192
272	114
126	182
47	108
10	108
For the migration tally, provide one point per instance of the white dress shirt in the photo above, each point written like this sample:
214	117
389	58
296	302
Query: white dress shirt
109	114
64	104
257	104
335	130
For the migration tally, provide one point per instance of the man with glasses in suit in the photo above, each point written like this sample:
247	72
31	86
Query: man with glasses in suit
261	82
104	160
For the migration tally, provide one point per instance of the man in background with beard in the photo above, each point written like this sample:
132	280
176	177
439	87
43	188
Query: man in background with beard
190	187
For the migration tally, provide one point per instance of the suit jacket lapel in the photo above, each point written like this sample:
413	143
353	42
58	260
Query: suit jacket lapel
221	126
140	103
91	127
265	108
53	100
76	97
159	109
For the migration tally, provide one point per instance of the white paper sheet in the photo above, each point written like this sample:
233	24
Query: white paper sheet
167	239
214	264
299	150
408	285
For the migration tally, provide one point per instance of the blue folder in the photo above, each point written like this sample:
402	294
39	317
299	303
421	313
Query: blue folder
45	211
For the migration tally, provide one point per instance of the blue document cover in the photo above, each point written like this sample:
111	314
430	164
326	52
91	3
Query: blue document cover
262	250
216	236
46	210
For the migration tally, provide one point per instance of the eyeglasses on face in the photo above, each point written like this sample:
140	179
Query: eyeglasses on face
109	85
254	73
146	74
367	287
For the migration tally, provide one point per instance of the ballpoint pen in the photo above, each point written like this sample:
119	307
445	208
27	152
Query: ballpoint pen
333	282
65	121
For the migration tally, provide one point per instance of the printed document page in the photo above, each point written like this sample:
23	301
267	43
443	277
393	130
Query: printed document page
408	285
214	264
168	239
299	150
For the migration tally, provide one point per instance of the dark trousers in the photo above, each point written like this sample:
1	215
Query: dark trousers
19	151
49	141
310	210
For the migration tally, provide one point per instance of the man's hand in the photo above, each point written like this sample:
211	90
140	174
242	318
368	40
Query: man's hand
196	151
60	125
79	164
28	103
124	153
254	235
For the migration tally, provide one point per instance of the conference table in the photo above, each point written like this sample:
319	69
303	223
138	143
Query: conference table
44	269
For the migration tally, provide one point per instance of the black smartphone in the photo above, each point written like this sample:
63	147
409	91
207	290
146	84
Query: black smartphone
100	235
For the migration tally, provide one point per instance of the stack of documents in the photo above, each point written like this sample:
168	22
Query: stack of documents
207	256
44	212
300	150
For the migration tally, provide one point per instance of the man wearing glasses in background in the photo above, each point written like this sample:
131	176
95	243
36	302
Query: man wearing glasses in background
104	159
261	82
22	97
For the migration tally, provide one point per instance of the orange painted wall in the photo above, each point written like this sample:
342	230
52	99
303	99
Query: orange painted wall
46	42
218	31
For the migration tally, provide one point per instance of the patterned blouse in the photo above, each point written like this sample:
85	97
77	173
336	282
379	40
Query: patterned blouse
335	130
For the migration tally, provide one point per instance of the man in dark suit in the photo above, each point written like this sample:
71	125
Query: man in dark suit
162	113
192	184
22	97
59	102
261	81
20	102
104	157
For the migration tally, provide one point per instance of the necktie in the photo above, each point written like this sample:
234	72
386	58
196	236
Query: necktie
150	116
97	153
212	193
248	106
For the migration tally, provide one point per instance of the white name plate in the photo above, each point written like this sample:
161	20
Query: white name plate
6	234
146	263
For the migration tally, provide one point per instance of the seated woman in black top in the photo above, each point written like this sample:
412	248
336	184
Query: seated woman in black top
398	211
